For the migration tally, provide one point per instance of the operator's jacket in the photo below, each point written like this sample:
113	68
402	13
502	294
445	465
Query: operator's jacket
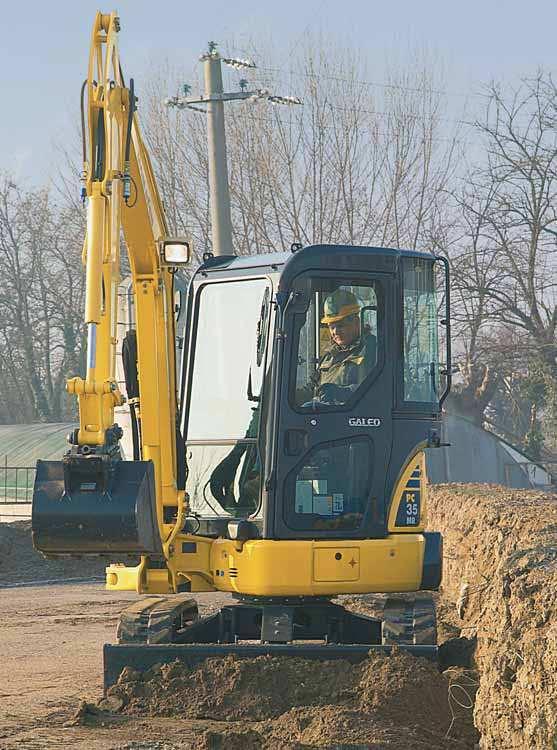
340	371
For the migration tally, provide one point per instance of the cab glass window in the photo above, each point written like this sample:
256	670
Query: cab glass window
224	479
338	332
222	453
227	368
331	490
421	348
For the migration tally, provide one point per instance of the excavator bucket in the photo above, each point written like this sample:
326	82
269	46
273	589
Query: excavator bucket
93	506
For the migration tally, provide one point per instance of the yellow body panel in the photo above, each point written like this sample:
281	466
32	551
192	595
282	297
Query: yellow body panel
336	564
138	578
265	567
312	568
187	562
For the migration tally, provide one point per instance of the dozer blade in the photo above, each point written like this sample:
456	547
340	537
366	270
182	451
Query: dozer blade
165	629
84	507
144	656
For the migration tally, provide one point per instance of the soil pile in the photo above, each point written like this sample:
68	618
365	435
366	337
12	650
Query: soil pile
19	562
500	549
394	701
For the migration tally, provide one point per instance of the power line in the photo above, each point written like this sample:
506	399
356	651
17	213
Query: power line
247	114
525	122
395	86
319	76
404	115
341	79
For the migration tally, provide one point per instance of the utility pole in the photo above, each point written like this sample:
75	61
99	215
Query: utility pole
218	168
214	97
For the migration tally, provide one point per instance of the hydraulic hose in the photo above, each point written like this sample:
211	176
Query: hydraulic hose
100	147
82	108
136	438
130	120
127	177
83	178
129	361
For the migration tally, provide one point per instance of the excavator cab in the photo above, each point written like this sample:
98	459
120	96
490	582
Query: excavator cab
299	417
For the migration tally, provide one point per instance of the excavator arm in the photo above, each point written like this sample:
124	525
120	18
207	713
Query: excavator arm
87	502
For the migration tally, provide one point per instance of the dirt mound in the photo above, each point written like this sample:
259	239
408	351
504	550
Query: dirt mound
500	549
20	562
230	688
385	701
340	727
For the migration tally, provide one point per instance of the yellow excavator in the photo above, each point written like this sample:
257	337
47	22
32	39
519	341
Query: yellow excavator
286	465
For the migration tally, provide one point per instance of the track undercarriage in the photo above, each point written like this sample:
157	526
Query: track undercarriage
164	629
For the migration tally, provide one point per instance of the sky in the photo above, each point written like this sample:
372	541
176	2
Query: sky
45	48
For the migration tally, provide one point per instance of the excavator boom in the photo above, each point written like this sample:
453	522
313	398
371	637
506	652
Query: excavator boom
92	500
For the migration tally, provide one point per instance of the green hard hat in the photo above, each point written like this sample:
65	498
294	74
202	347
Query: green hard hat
339	305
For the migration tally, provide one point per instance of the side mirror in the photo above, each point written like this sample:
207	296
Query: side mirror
175	251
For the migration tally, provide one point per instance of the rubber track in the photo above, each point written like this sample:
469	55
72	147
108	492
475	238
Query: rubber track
156	619
408	621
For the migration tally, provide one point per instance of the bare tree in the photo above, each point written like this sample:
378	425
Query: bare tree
40	303
505	261
478	351
519	188
347	167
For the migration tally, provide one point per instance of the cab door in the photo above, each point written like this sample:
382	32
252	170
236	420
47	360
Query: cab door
333	433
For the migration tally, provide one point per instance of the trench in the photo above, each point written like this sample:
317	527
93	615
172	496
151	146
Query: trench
499	595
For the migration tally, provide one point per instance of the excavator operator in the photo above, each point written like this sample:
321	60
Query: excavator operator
350	357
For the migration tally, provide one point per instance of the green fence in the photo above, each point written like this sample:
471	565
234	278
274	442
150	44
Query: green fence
16	483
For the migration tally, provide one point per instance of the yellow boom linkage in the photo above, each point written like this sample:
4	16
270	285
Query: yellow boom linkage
122	197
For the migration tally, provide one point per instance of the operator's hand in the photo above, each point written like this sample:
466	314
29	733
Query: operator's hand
331	393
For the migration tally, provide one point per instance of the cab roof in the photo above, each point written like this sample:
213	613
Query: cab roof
311	255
